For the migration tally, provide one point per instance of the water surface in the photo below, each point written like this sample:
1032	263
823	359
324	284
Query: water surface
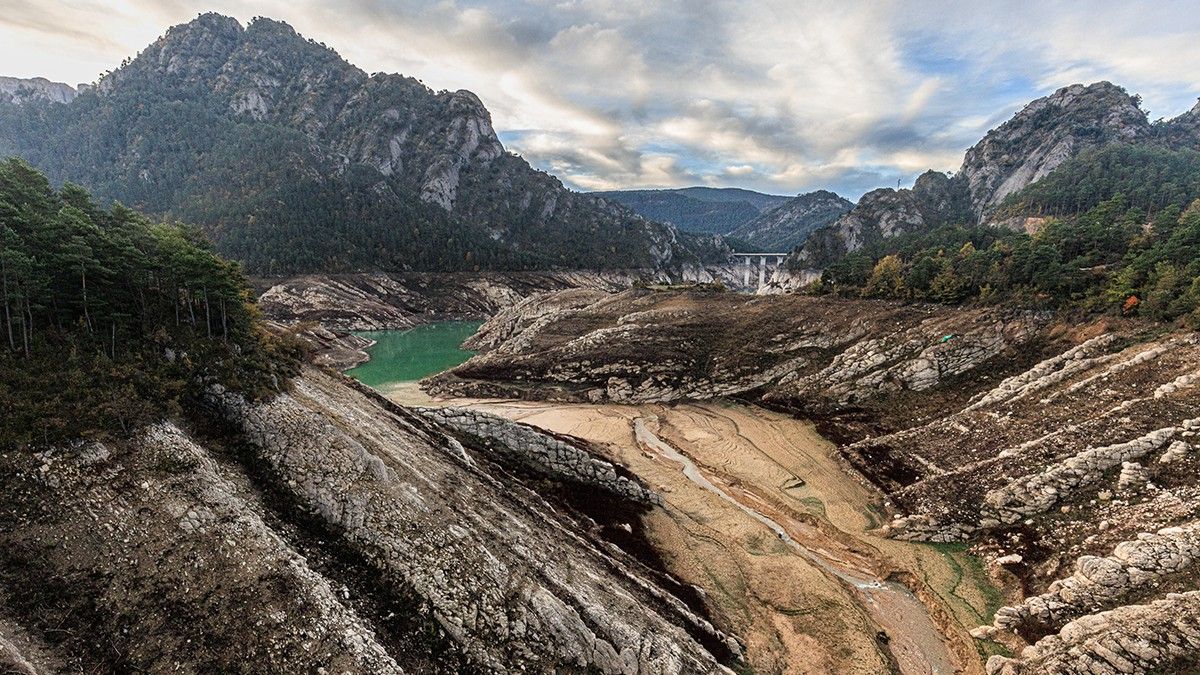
408	355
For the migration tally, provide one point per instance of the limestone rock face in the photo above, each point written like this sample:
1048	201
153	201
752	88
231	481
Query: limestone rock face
1104	583
1157	637
18	90
638	347
935	198
1026	148
329	530
260	111
513	583
1046	133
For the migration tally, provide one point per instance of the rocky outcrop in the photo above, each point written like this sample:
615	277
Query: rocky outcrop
150	550
641	346
1037	441
1105	582
287	144
389	301
1160	637
18	90
934	199
1025	149
1044	134
560	458
505	576
786	226
328	530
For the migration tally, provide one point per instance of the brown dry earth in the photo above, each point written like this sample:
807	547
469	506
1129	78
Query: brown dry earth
813	607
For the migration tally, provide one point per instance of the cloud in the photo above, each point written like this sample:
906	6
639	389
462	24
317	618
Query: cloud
779	95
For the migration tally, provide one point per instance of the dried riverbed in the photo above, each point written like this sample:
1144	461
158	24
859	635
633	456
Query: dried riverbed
761	515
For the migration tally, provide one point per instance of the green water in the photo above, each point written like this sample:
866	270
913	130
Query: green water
409	355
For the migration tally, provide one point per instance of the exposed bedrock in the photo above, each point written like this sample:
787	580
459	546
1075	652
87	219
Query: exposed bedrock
330	531
1105	582
1160	637
143	557
506	576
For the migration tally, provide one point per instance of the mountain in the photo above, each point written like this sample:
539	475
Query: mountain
697	209
295	160
786	226
1046	133
19	90
934	198
1073	122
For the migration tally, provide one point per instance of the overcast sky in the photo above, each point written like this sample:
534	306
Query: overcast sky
782	96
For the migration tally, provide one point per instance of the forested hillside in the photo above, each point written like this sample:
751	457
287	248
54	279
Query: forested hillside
110	320
1113	257
697	209
294	160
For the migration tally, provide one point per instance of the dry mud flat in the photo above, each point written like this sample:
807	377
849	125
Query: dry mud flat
761	515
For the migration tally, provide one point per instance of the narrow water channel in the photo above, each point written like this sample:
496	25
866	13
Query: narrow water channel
914	640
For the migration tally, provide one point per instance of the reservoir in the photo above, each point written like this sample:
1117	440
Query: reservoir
400	356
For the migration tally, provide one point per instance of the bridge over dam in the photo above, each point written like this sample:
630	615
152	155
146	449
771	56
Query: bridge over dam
765	262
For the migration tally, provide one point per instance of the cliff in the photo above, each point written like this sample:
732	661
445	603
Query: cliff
297	161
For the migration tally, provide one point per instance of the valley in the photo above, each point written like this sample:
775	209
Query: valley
308	366
778	533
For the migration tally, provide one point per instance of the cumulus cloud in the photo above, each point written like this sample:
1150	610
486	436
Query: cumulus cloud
780	95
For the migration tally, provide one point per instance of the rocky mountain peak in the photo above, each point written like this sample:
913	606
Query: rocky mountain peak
1044	134
257	109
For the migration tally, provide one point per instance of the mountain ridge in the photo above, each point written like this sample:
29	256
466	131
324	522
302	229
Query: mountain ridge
1029	146
220	124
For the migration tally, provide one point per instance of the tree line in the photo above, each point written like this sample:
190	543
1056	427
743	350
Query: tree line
109	318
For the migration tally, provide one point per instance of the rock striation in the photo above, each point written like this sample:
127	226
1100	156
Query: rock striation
509	580
1063	453
1162	636
559	457
327	530
1105	582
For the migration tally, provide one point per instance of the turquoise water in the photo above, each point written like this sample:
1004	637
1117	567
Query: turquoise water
409	355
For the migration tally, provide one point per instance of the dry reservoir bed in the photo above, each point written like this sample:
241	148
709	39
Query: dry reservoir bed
763	516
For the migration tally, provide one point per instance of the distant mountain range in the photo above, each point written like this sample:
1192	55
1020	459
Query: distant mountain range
294	160
761	221
697	209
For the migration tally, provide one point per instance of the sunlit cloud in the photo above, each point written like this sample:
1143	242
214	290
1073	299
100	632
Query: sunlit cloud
781	96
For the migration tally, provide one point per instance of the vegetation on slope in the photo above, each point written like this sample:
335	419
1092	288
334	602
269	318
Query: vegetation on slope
1107	258
110	321
296	161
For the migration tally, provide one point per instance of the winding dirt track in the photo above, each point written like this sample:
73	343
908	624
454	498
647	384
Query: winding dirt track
764	518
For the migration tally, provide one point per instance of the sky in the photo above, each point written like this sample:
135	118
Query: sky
781	96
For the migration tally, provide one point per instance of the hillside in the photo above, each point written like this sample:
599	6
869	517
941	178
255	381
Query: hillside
1054	455
294	160
787	225
1074	122
697	209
